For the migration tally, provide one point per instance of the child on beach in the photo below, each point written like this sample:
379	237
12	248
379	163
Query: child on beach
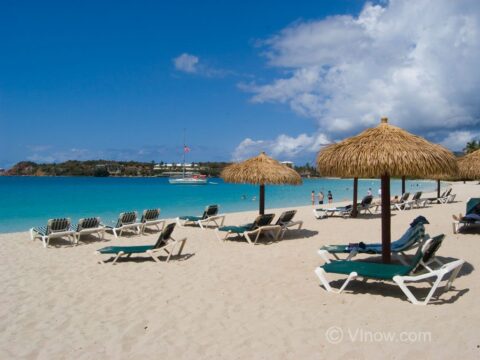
313	197
330	197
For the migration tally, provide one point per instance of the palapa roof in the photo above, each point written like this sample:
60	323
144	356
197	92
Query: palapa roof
469	166
386	149
262	170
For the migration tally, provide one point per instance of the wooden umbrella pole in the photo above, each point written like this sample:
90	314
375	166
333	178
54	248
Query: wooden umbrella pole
403	185
355	197
438	188
386	221
262	200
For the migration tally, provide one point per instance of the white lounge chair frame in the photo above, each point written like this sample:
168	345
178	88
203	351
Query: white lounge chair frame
252	236
100	230
453	267
218	220
158	223
286	226
117	231
35	233
325	213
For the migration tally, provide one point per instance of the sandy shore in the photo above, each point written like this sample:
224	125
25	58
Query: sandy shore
232	300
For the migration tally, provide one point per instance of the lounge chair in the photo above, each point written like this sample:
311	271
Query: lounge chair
365	204
345	211
125	221
411	239
400	274
342	211
402	203
150	217
56	228
442	198
210	215
251	232
448	198
86	226
416	201
285	221
471	218
165	243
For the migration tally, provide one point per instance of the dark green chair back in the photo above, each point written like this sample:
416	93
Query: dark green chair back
286	217
58	225
88	223
164	236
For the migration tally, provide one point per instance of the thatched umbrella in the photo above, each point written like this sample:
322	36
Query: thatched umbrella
383	152
469	166
261	170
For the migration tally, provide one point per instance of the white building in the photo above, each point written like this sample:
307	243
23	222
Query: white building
290	164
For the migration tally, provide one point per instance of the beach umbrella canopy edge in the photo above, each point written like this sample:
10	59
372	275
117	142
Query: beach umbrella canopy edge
261	170
469	166
386	149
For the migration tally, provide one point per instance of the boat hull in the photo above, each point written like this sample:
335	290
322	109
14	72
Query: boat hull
187	181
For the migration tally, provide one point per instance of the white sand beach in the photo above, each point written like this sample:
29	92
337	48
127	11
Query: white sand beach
232	300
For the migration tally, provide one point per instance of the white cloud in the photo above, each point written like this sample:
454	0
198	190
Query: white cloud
415	61
458	139
191	64
186	63
284	146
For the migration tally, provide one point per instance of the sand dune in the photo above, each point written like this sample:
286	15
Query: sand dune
232	300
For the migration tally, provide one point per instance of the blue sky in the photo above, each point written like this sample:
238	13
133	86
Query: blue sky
121	79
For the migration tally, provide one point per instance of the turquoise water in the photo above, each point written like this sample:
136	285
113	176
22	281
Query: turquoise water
30	201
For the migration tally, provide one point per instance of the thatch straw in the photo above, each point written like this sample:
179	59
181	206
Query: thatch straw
386	149
261	170
469	166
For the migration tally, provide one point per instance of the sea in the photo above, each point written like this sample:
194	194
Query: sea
26	202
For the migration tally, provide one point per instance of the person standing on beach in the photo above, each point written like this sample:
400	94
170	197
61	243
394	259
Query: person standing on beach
320	197
369	192
313	197
330	197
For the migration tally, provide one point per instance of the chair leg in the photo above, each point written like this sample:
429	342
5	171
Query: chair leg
248	239
117	257
326	284
152	254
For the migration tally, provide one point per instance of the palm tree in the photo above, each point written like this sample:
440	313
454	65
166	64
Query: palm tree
471	146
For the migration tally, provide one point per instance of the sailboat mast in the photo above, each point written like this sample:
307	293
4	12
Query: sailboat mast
184	146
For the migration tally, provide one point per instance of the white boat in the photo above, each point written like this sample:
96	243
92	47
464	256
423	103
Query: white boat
188	178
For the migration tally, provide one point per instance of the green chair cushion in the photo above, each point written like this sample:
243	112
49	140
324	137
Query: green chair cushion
126	249
366	269
190	218
237	229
